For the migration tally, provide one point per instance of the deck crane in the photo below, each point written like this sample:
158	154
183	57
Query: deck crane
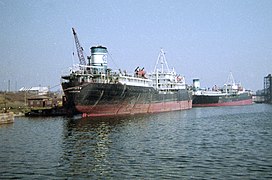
79	49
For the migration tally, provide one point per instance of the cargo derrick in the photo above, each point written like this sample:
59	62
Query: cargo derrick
79	49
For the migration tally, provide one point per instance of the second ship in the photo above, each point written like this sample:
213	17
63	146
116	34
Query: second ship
95	90
231	94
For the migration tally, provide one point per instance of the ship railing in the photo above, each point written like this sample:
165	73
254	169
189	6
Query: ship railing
67	71
170	89
170	86
90	67
74	69
135	81
86	69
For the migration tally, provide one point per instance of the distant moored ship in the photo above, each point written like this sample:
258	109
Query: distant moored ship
231	94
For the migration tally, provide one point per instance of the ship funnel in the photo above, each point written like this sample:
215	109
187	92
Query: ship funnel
196	84
99	58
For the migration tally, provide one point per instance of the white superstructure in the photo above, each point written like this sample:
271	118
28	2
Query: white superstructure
163	79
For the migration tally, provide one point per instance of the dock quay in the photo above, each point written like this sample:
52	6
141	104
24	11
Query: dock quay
6	118
31	104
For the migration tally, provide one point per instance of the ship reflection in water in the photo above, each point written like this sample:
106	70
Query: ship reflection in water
86	147
92	139
200	143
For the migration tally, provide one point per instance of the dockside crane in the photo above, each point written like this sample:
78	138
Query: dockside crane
79	49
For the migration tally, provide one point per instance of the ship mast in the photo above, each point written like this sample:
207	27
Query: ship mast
230	80
162	61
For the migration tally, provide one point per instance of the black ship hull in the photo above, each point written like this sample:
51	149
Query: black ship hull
222	100
105	99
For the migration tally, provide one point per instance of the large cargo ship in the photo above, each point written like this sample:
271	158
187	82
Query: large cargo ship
231	94
95	90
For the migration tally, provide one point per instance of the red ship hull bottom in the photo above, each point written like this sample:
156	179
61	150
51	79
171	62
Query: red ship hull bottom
130	109
233	103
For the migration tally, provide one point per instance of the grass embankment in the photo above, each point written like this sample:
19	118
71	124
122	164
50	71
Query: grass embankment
13	102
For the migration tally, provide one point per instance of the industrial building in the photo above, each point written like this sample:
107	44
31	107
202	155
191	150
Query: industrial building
268	89
35	90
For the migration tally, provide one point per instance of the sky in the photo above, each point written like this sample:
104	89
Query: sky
205	39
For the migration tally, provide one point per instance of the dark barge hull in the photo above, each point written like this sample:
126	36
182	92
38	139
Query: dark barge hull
226	100
97	99
57	111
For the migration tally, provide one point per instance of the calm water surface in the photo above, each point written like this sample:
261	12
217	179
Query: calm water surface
202	143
